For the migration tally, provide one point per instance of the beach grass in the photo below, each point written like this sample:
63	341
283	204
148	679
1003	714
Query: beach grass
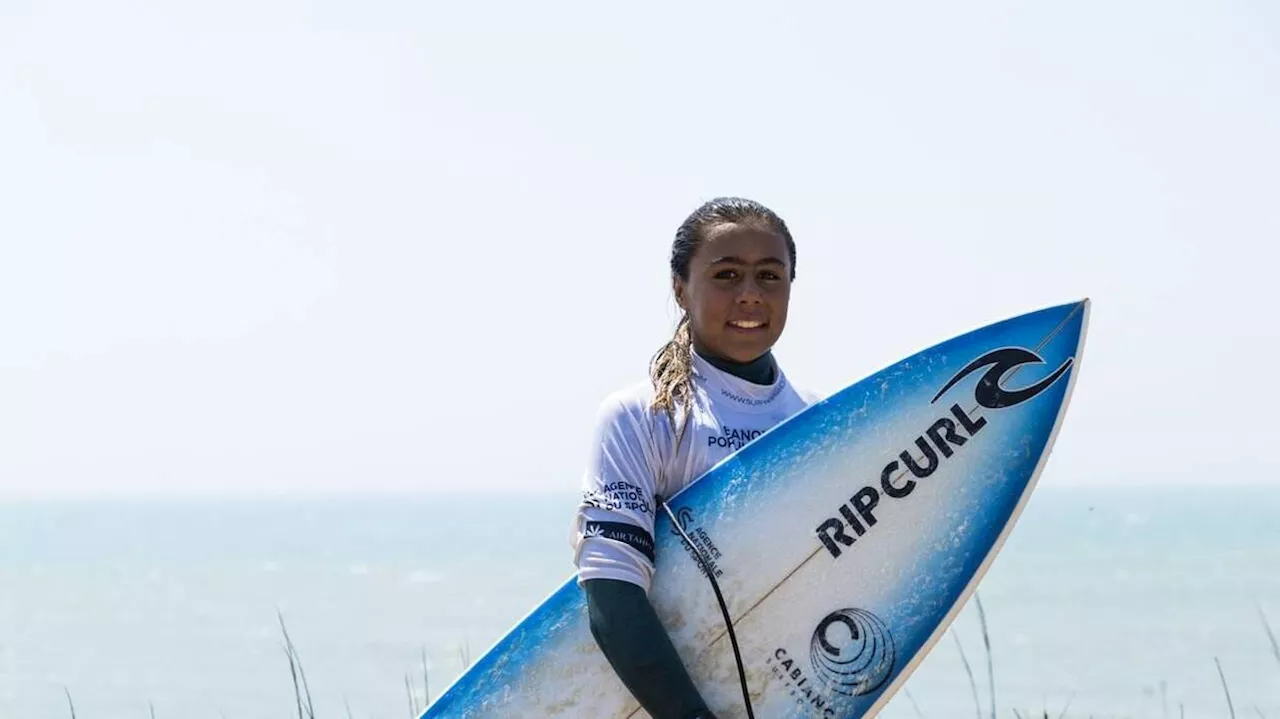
305	708
301	690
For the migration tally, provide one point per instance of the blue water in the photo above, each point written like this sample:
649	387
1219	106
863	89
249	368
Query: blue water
1115	600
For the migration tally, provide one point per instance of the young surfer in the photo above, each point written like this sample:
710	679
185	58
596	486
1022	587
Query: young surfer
712	388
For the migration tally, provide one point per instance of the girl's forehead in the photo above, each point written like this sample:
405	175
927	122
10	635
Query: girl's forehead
731	230
745	242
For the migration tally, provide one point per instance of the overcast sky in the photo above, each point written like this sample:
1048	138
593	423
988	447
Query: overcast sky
276	246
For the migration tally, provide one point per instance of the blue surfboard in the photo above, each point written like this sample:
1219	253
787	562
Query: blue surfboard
844	540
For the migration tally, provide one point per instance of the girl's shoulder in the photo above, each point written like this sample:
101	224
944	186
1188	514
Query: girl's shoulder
634	398
633	402
807	395
629	411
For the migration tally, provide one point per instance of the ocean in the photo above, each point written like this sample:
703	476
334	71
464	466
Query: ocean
1104	603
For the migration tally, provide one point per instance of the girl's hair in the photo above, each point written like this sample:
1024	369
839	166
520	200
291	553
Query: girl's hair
671	369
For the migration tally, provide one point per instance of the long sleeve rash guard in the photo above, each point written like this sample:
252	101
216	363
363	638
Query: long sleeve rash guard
634	459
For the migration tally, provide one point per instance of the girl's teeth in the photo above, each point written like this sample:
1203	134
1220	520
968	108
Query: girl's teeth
748	325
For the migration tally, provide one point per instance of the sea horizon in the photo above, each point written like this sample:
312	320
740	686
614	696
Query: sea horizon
1106	601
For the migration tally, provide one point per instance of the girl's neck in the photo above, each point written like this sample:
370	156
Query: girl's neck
762	370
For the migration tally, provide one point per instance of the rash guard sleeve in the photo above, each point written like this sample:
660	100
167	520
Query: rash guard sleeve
613	529
632	638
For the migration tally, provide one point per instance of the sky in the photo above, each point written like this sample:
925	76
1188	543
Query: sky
277	247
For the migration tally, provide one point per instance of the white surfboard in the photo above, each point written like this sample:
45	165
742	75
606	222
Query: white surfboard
844	540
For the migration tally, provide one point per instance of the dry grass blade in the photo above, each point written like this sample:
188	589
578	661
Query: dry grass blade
426	683
1017	714
347	704
413	703
973	684
1065	707
293	672
152	707
1231	710
914	706
986	641
1275	647
303	697
464	655
70	704
306	688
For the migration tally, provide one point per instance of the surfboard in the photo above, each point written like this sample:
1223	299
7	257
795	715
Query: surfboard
844	540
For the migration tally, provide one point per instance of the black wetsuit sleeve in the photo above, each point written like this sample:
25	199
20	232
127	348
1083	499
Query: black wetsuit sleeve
632	638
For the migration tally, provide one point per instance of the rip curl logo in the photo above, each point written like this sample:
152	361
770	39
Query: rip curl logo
989	393
940	441
852	652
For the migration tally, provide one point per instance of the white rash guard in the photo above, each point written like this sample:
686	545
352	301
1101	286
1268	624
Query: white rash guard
633	458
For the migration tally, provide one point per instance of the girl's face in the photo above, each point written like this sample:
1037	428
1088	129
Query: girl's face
737	293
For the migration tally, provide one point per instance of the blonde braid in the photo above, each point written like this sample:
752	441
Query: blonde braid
672	374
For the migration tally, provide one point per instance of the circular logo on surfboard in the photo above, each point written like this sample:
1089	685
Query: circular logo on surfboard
685	515
853	652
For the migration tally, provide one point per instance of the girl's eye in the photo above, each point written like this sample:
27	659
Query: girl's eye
770	275
726	275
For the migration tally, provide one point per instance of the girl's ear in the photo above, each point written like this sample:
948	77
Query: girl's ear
677	288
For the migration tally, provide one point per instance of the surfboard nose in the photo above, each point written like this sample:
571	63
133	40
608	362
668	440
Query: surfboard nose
1056	331
1076	323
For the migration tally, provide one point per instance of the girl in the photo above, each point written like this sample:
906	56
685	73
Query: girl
712	388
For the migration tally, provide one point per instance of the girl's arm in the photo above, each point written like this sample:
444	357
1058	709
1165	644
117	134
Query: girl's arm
640	652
